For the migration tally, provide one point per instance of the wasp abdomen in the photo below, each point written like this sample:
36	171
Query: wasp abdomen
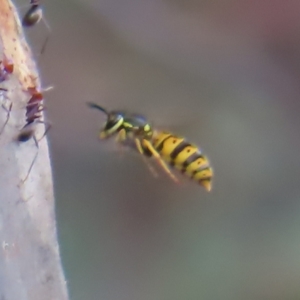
185	157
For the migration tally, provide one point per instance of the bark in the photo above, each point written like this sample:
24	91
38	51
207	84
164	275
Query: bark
30	266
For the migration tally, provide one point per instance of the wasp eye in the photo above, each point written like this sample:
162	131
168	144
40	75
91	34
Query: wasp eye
113	120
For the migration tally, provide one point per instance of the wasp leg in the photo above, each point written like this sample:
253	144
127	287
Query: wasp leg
141	151
160	160
139	146
121	137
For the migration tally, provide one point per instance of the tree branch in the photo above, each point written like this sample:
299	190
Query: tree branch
30	266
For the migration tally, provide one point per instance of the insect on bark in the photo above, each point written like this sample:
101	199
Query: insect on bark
33	16
34	109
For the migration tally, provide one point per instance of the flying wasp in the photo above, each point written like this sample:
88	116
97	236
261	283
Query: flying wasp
167	149
131	130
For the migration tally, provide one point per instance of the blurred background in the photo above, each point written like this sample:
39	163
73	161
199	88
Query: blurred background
226	75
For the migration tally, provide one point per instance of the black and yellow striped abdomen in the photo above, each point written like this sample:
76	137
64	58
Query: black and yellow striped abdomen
185	157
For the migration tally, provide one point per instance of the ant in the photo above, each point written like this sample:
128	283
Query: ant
34	109
33	16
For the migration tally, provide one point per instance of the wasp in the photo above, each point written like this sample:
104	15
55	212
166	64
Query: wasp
168	149
187	158
33	16
131	130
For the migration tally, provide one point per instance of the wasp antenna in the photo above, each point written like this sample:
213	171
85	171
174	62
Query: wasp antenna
94	105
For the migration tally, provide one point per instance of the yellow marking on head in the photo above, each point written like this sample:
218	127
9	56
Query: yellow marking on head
147	127
121	136
108	132
199	163
128	125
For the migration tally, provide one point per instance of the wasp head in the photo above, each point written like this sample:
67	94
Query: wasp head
113	122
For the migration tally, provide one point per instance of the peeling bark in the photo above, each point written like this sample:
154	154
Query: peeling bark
30	266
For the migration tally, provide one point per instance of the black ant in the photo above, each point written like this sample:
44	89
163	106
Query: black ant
33	16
